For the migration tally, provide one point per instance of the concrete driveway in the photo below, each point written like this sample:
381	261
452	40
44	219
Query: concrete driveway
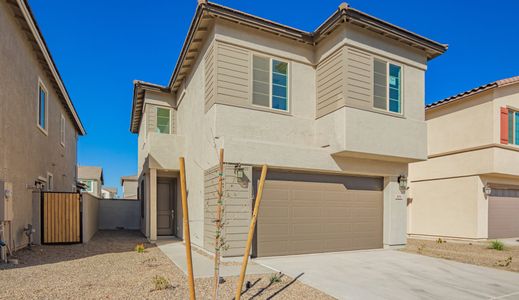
392	274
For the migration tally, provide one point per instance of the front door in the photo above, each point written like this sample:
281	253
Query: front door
165	207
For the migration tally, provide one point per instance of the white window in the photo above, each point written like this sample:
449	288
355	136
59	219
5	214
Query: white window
163	120
89	185
270	83
42	105
50	182
62	130
387	86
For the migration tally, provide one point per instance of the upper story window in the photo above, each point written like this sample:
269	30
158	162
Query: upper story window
50	182
62	130
387	86
89	185
42	107
513	127
163	120
269	83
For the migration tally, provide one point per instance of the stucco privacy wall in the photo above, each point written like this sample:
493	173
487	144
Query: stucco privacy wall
90	209
237	208
119	214
19	75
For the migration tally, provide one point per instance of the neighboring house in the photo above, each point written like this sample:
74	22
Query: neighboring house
39	126
92	179
469	186
129	184
337	114
108	192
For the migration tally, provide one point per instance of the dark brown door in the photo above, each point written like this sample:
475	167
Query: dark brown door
165	207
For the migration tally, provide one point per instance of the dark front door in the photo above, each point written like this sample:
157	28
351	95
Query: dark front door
165	207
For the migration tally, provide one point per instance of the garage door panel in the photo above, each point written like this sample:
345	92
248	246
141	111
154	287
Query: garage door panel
503	216
321	217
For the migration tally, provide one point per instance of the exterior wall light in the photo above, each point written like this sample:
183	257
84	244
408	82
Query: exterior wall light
402	182
487	190
238	170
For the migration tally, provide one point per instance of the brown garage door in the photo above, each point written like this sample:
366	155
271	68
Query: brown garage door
312	214
503	213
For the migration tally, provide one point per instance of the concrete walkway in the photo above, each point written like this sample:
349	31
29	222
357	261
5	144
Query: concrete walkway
203	266
391	274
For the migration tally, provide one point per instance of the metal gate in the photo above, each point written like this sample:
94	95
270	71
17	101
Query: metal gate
61	218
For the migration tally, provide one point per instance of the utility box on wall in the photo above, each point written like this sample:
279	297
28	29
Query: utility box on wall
6	201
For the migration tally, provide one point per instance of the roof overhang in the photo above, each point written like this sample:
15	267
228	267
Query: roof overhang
26	20
139	91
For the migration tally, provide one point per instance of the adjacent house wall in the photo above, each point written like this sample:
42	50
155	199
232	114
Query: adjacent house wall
116	214
20	138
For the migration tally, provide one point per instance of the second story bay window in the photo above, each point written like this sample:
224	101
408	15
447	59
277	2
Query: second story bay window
387	86
270	83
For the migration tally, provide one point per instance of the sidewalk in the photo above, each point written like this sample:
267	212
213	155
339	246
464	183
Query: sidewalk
203	266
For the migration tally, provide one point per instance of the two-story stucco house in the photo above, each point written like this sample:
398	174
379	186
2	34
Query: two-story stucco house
469	186
337	114
39	126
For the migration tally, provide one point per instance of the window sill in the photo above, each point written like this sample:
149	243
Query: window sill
44	131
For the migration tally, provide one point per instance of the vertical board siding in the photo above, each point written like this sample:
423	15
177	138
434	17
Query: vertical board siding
232	75
237	210
330	75
61	218
210	77
359	78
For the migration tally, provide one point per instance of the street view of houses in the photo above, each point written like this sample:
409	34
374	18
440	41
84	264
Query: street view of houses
314	150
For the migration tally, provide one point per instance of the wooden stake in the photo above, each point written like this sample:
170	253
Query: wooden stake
218	225
251	232
187	237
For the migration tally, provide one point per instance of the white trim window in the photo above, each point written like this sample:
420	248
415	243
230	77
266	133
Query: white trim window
62	130
513	127
50	182
163	120
42	105
89	185
387	86
270	80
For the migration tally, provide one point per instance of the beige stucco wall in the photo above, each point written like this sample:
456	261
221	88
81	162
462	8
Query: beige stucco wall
20	138
448	207
90	211
130	189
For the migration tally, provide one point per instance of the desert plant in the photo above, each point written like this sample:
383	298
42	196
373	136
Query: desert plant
440	241
505	262
275	278
497	245
160	283
139	248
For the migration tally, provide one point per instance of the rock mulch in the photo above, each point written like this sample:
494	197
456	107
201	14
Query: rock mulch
108	267
477	253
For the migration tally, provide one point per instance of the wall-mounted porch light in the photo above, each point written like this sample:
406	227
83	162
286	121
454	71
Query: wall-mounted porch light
402	182
487	191
238	170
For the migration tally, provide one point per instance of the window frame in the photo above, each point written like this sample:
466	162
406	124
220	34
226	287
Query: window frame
41	86
388	64
157	107
512	131
89	189
62	134
251	82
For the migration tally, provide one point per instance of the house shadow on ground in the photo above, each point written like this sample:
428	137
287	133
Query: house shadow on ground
104	242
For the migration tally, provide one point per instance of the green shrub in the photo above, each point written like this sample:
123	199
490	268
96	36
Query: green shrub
497	245
275	278
139	248
161	283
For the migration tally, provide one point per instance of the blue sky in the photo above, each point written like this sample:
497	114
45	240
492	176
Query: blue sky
100	47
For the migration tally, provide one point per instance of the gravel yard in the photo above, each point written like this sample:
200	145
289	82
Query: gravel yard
471	253
109	268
